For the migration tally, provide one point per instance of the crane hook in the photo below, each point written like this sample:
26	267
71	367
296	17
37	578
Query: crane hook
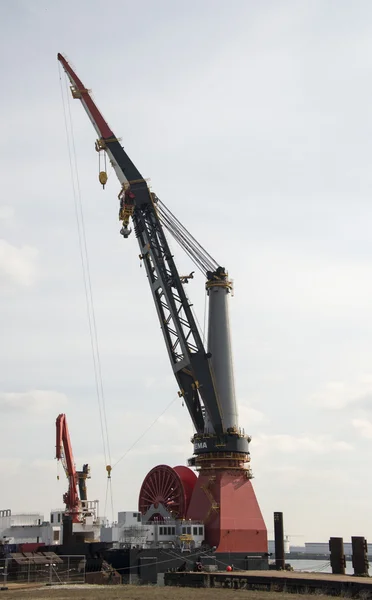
102	178
102	173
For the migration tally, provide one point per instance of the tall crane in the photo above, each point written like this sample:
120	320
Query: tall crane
75	498
205	377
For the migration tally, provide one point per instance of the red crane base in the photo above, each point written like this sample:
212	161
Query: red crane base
225	501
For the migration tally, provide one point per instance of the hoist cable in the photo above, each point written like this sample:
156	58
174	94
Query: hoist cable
90	288
144	432
109	491
189	251
193	253
180	239
186	241
188	234
201	258
112	498
185	246
107	487
86	275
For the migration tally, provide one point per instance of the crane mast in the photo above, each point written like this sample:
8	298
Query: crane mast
205	378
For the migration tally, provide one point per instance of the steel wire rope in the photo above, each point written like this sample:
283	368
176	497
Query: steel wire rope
196	256
193	311
196	319
180	240
83	269
109	487
187	243
203	330
325	566
112	498
186	240
189	235
89	283
199	554
311	569
319	569
144	432
168	560
86	278
171	551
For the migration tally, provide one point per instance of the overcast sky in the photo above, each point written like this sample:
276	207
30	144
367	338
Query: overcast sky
253	121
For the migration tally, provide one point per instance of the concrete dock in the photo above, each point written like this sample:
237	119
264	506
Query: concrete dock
278	581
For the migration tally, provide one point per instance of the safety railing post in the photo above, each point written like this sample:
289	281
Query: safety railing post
5	581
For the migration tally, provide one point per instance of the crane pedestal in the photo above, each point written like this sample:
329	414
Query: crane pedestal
226	502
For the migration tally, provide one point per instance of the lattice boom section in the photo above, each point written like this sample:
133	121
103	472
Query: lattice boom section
166	286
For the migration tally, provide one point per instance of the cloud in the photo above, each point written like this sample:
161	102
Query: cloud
6	213
154	449
250	416
18	265
9	465
34	401
168	421
165	382
364	427
337	395
293	444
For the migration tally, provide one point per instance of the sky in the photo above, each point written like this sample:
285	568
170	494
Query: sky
253	122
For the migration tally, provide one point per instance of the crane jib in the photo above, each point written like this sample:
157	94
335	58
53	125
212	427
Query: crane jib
122	159
190	362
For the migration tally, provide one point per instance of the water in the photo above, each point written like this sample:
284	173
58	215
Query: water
317	566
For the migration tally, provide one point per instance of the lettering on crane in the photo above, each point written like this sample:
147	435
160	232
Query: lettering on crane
200	445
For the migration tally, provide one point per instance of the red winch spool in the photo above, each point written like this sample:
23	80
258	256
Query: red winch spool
170	487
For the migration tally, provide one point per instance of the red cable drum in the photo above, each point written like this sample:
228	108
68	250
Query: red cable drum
188	478
170	487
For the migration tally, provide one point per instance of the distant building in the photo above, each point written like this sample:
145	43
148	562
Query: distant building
297	549
322	548
271	546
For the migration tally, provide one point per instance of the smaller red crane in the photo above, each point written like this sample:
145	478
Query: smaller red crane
76	506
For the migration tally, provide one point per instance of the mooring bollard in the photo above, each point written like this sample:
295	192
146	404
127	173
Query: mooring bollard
338	561
360	556
279	540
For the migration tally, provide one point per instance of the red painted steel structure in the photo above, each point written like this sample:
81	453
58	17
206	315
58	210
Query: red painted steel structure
226	503
64	453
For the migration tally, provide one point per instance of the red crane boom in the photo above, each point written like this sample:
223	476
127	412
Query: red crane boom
76	479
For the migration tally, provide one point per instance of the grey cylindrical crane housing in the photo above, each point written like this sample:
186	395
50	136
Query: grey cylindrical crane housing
219	345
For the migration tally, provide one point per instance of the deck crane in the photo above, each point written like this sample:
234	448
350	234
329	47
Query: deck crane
205	377
75	498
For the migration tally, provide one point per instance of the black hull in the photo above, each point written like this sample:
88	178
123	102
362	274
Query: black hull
132	563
